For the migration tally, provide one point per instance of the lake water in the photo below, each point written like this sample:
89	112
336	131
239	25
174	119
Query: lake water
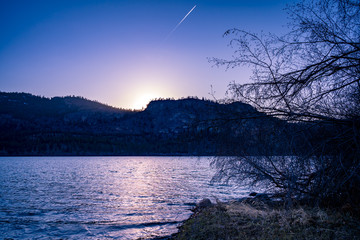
102	197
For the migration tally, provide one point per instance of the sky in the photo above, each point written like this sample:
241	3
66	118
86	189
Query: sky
126	52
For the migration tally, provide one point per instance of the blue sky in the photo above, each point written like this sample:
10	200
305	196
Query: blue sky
116	51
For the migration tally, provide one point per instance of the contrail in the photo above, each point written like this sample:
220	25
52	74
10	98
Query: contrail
179	23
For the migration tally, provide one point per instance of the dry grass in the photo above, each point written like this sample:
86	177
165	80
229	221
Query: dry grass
244	221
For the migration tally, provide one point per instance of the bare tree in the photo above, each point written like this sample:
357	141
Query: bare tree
309	77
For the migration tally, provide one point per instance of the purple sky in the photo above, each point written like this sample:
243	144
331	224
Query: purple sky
117	52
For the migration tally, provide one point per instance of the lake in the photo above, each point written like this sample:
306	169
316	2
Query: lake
102	197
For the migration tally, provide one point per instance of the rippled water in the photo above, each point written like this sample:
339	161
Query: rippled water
102	197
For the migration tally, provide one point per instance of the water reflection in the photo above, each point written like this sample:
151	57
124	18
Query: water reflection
111	197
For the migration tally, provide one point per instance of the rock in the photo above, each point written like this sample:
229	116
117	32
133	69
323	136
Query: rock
204	203
262	196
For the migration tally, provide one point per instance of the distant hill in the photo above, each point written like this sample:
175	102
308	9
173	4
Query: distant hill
33	125
25	106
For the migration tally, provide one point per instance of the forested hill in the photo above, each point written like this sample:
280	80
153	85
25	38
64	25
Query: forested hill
32	125
27	106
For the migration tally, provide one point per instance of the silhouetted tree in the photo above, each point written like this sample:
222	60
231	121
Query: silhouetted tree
310	77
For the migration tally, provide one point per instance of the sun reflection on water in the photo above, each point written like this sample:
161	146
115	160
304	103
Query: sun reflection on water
111	197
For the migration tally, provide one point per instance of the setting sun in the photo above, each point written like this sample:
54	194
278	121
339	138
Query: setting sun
154	81
142	100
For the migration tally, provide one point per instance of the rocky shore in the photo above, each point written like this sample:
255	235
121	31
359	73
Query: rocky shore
258	217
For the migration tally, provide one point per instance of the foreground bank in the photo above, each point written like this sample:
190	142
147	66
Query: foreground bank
254	219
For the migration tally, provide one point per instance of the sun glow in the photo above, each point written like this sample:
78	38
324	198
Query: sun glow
150	75
142	100
139	97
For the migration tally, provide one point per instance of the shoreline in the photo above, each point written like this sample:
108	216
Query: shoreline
256	218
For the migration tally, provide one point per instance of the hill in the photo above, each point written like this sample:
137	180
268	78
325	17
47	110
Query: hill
33	125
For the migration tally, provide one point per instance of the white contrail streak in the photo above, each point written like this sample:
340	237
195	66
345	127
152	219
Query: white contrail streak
180	23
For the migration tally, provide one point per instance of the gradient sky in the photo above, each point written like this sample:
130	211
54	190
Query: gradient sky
117	51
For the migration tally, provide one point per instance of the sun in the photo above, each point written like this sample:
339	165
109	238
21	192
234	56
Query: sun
149	80
142	100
